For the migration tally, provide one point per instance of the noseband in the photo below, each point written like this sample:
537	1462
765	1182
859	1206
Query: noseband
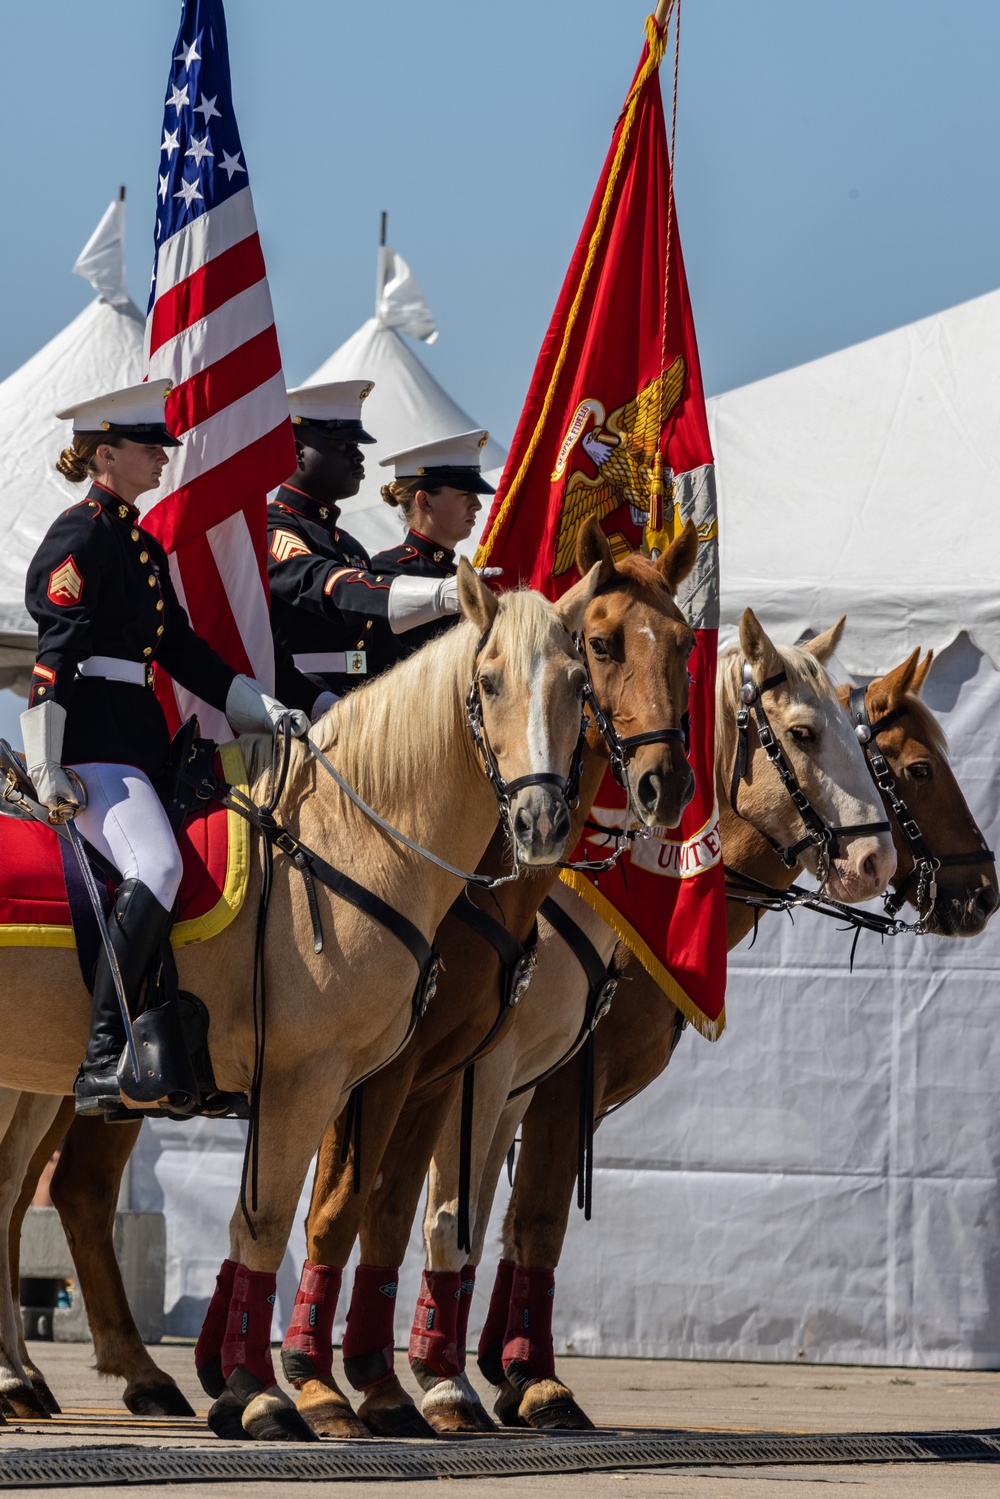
620	746
819	833
925	864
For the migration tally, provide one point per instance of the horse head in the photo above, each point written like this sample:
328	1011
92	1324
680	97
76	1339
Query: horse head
914	747
820	749
528	693
637	643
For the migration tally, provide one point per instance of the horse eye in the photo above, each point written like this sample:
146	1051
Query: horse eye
920	770
487	686
598	647
802	734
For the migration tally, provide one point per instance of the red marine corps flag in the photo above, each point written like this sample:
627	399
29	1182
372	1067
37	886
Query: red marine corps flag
614	426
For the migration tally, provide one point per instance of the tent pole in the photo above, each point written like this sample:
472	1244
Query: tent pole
121	193
385	220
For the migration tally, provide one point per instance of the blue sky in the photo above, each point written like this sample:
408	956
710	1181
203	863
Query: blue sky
836	175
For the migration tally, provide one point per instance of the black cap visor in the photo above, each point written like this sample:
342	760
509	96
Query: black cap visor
469	479
339	428
150	434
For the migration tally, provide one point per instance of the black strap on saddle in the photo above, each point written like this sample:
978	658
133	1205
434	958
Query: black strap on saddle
602	981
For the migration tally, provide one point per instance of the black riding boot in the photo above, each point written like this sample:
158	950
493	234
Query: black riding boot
137	925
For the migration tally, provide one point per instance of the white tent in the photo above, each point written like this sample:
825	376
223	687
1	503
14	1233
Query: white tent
99	350
407	405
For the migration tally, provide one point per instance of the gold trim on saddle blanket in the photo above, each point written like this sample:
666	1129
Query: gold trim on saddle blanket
199	928
710	1029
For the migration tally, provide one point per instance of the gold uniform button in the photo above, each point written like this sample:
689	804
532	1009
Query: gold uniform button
151	580
135	535
368	625
359	645
159	603
143	556
159	630
378	578
147	650
39	691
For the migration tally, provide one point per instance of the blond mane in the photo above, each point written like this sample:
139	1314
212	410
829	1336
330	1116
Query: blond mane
801	668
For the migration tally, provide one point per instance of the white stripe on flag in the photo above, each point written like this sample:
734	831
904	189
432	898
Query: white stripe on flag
211	338
227	433
233	550
205	237
211	723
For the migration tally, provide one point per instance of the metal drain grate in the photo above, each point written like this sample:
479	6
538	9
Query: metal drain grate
484	1457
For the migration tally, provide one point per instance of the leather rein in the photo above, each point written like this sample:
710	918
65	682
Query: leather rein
925	864
818	832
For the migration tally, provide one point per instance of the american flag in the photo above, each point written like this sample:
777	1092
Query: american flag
210	329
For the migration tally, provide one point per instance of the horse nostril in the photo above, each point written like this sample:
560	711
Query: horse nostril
870	868
523	824
560	822
649	790
987	898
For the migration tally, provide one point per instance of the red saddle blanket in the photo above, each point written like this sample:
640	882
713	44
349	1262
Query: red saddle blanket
215	844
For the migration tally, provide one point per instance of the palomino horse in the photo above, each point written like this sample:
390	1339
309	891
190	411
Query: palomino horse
641	683
635	1044
827	761
336	1015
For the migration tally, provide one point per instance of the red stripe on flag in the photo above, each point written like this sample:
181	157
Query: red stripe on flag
208	605
216	495
205	290
211	390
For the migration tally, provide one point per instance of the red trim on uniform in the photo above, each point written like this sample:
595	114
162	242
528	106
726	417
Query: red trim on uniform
375	587
335	577
226	380
206	290
45	672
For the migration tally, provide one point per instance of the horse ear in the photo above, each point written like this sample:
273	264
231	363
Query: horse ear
573	604
478	603
920	675
823	646
676	562
593	546
757	647
890	690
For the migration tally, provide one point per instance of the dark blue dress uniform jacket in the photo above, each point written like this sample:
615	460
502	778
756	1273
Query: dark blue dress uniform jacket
99	585
417	557
329	608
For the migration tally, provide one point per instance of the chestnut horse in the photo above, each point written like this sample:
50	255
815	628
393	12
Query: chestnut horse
336	1015
643	687
637	1041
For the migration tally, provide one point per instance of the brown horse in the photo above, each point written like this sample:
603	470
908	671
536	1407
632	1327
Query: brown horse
651	645
336	1015
635	1043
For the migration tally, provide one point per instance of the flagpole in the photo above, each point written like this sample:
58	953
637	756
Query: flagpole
662	12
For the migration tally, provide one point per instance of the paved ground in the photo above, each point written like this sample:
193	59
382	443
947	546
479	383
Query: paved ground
618	1393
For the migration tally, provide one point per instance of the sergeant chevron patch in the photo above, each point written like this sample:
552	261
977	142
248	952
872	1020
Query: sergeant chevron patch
65	583
285	544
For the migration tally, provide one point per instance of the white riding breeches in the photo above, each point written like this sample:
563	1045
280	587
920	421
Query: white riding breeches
125	821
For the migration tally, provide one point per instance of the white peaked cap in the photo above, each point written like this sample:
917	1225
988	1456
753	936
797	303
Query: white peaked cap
340	401
459	456
135	411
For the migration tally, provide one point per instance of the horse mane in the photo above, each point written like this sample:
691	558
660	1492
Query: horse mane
801	668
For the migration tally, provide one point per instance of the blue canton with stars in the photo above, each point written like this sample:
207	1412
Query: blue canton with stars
201	159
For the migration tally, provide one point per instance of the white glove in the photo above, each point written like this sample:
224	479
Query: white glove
323	702
418	601
490	572
251	710
43	727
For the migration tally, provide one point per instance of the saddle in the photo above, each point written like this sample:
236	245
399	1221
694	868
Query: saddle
43	902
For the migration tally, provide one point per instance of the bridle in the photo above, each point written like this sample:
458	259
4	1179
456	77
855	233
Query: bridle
819	833
925	864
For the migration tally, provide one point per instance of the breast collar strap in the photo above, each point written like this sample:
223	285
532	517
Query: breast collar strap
819	833
925	864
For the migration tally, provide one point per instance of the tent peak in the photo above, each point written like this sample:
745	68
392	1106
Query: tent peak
102	259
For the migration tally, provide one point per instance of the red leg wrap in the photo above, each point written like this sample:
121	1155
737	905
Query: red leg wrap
368	1340
528	1341
495	1326
310	1328
434	1338
213	1329
248	1330
464	1308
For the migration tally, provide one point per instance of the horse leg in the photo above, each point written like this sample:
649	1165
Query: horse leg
26	1117
335	1215
387	1409
294	1112
44	1152
85	1187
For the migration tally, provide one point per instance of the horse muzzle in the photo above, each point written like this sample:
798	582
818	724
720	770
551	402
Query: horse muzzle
962	913
539	824
660	794
863	870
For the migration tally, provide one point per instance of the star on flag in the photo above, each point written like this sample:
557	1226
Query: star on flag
189	52
178	98
189	191
206	108
231	164
199	148
170	142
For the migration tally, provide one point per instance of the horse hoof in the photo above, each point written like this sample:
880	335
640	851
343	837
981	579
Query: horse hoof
22	1400
46	1397
507	1406
398	1419
157	1400
548	1405
211	1377
452	1405
328	1411
272	1417
225	1418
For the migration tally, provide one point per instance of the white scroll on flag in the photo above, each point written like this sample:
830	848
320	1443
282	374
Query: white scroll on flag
210	329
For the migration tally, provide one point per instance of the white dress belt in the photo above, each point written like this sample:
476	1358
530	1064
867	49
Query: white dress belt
349	663
118	670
